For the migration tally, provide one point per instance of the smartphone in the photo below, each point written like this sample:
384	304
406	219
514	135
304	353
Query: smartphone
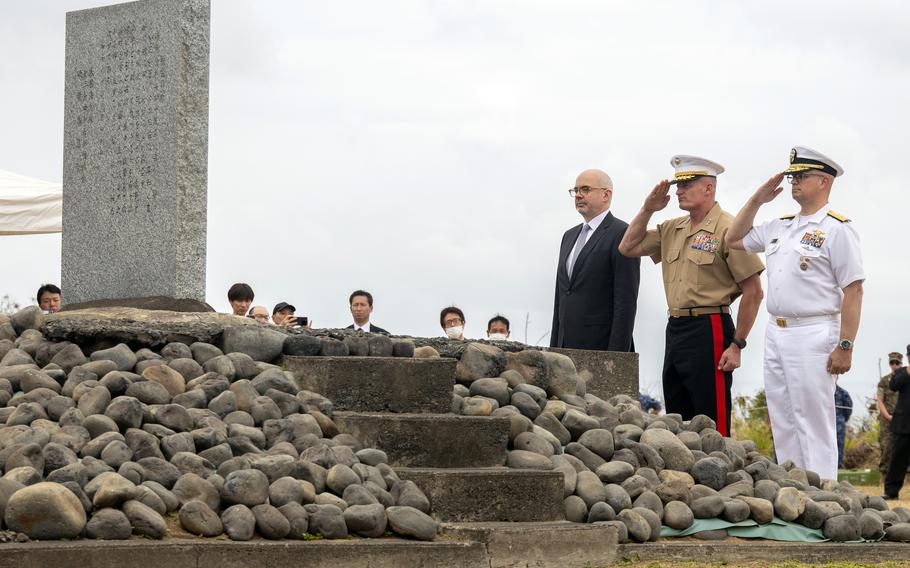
302	321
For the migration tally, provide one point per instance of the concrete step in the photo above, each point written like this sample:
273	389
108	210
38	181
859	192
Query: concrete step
208	553
490	494
557	544
431	440
742	551
378	384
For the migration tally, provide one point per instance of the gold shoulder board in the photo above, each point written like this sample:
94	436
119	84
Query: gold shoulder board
840	218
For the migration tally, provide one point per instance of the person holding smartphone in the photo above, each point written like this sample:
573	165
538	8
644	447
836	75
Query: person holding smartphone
283	315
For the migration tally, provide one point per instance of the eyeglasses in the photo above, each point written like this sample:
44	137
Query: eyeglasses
452	322
584	190
796	178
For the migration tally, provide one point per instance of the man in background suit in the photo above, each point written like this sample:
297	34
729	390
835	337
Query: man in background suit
596	287
361	304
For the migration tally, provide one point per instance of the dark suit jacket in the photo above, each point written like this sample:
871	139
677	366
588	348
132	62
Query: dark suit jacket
900	418
373	328
595	309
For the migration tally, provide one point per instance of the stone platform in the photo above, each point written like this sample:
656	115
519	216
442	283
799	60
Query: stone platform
431	440
377	384
490	494
610	372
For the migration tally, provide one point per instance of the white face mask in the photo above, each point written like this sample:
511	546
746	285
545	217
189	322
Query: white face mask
454	332
499	336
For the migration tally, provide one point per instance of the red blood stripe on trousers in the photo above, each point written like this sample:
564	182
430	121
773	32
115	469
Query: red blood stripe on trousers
720	390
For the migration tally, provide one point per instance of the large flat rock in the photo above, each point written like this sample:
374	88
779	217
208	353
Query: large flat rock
557	544
378	384
137	328
431	440
490	494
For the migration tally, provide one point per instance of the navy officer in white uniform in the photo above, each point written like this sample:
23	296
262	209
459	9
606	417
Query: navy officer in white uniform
815	292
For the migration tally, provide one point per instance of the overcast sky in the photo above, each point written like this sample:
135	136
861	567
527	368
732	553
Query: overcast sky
422	150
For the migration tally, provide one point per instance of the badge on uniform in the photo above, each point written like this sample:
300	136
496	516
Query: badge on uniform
705	242
814	238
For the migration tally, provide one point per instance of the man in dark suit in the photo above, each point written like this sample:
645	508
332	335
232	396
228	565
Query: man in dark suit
596	287
900	433
361	303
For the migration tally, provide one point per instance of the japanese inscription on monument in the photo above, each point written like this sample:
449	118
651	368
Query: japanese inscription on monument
135	151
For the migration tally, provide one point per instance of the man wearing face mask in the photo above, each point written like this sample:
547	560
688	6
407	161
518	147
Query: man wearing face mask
703	275
596	286
498	328
452	321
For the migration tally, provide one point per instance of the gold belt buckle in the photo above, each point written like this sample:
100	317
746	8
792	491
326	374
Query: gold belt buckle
694	312
781	322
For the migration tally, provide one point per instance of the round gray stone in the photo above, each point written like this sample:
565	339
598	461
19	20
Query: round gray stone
248	487
842	528
145	521
707	507
638	527
711	472
678	515
366	520
45	511
600	512
108	524
327	520
199	519
410	522
239	522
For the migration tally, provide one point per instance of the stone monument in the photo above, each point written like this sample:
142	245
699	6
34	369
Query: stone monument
135	153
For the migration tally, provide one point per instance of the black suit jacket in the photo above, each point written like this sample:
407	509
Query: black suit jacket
373	328
900	418
595	309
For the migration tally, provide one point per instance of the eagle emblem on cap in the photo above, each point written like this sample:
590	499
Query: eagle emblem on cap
792	155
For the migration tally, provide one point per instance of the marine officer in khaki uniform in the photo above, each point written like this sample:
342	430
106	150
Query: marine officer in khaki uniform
702	276
885	399
815	292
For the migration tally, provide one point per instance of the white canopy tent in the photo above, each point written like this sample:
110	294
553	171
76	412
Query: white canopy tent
29	206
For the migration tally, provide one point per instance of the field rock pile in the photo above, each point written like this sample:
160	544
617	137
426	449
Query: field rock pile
114	442
639	471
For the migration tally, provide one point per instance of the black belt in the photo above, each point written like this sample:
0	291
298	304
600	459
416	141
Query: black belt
695	312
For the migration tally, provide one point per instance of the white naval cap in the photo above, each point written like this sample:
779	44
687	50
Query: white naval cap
803	159
691	167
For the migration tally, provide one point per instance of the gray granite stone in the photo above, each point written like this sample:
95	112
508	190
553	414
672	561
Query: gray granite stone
135	151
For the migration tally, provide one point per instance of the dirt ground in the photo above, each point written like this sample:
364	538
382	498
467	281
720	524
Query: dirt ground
904	500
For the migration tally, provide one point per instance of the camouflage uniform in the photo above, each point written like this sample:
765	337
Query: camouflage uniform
884	431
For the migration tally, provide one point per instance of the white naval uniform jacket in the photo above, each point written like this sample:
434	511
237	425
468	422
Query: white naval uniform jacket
810	261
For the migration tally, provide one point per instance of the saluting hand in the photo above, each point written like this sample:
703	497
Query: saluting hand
770	189
658	198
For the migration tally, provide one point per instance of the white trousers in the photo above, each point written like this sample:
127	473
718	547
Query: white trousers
800	394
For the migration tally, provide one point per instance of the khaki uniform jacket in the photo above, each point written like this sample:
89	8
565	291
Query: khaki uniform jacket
699	269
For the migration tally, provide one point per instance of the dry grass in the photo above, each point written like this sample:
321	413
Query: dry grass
888	564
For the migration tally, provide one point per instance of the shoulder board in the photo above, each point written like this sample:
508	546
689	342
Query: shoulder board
787	217
840	218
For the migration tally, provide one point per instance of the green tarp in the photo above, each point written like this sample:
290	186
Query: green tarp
775	530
